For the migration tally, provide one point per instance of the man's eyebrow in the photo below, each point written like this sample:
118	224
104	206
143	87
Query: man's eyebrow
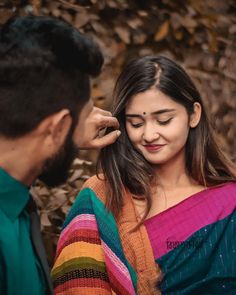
159	112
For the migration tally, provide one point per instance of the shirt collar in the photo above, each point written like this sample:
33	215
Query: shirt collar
14	195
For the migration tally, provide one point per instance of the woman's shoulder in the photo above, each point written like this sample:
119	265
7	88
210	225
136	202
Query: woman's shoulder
98	185
92	192
225	187
95	182
224	193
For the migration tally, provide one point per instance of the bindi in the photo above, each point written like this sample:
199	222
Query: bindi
144	113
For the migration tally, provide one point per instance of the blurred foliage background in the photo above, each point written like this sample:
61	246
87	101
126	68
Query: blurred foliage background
200	35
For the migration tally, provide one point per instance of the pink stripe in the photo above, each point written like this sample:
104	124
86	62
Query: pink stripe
118	269
199	210
83	221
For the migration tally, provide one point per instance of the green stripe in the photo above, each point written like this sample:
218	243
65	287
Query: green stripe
109	233
76	264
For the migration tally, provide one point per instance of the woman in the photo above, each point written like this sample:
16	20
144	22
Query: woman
163	209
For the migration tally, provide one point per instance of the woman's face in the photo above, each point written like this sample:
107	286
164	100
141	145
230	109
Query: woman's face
157	126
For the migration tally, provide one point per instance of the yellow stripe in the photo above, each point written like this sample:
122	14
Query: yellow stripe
80	249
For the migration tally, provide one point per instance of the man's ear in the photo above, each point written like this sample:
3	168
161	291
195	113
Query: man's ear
56	126
60	126
196	115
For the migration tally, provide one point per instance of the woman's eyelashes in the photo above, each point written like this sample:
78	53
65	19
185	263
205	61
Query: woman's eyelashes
136	125
160	122
164	122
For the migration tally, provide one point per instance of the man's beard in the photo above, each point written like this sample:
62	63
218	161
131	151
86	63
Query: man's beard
56	169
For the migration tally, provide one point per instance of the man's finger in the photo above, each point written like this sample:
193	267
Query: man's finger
102	112
109	122
106	139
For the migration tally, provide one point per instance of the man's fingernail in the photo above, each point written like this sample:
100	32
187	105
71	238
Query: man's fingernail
118	133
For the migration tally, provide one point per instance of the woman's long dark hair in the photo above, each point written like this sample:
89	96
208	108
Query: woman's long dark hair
124	168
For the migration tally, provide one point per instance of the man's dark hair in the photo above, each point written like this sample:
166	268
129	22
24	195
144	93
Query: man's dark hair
45	66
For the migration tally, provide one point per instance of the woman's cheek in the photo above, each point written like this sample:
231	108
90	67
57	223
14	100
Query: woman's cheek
134	135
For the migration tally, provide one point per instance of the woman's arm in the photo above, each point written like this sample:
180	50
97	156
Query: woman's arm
90	257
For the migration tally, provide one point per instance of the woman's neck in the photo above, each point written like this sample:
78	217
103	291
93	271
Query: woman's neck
173	174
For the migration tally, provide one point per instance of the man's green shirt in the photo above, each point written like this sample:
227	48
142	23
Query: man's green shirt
20	271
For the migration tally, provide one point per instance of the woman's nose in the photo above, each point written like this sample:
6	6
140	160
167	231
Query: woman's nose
150	133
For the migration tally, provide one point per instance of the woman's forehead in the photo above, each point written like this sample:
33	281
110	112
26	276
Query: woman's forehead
150	101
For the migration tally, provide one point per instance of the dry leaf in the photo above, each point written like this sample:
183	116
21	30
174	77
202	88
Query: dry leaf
56	12
162	32
81	18
178	35
65	209
135	23
59	191
123	33
45	220
78	161
232	29
213	43
5	14
189	23
139	38
67	17
43	191
76	174
143	13
99	28
36	5
96	93
176	21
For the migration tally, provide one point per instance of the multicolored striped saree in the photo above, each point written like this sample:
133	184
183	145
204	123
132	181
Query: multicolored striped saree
98	255
101	263
193	242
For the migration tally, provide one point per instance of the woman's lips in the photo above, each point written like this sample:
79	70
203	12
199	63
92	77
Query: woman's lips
153	147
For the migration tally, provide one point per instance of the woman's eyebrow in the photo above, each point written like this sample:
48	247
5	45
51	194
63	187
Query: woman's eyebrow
163	111
133	116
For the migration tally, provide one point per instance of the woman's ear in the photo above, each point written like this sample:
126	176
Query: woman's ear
196	115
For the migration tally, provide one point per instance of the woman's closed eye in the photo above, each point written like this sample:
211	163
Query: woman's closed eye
164	122
136	125
160	122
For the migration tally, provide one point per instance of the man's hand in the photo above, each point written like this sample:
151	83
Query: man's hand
91	136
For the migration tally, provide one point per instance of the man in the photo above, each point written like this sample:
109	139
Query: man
46	114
